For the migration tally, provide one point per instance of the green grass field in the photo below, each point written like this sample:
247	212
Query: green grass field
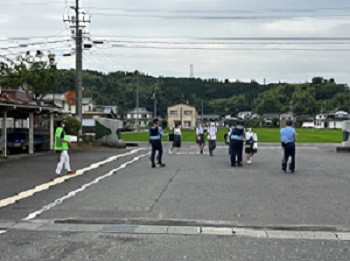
264	135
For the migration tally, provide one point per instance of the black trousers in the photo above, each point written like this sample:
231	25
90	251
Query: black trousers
156	146
236	147
212	146
289	151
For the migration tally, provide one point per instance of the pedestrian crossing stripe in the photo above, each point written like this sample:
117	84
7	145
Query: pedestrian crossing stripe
46	186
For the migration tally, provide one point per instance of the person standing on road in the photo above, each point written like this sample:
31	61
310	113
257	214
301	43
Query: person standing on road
61	146
177	139
288	137
200	137
251	144
156	134
212	131
237	137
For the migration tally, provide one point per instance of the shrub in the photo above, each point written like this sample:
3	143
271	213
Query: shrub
72	125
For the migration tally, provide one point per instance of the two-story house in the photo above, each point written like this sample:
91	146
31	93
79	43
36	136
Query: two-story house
140	115
184	114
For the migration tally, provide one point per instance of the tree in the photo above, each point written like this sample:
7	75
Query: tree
37	73
304	101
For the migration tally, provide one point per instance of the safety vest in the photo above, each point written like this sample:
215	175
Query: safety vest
59	144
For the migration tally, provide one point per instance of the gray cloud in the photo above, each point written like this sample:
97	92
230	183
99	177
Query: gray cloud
256	27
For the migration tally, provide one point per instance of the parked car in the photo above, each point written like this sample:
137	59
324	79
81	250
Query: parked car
18	141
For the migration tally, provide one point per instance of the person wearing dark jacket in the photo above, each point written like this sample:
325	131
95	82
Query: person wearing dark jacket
156	134
237	137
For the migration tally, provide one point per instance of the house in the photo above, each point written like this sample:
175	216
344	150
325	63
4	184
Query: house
284	117
336	118
184	114
57	99
208	117
269	119
321	121
244	115
140	115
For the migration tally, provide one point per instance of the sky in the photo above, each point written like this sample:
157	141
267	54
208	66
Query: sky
292	40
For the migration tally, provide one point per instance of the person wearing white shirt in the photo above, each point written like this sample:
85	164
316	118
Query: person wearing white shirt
200	137
177	139
251	144
212	131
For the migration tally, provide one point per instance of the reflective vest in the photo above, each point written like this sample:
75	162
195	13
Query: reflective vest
59	144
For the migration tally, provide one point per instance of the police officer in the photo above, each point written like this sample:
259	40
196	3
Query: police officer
288	136
156	134
61	146
237	136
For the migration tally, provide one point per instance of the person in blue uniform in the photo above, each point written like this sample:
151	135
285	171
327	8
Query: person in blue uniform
156	134
288	136
237	137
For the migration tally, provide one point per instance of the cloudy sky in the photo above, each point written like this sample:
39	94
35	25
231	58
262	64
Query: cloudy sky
289	40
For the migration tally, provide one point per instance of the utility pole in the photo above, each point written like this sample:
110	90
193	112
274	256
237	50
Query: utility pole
155	104
78	65
137	103
77	31
202	110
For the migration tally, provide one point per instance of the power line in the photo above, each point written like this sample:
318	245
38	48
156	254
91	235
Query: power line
227	49
211	17
229	38
227	43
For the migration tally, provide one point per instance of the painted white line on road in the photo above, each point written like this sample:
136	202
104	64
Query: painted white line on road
45	186
2	232
82	188
267	147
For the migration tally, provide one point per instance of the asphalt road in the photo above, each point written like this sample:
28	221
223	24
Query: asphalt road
192	189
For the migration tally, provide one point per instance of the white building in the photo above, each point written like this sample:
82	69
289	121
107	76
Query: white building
244	115
335	120
142	116
321	121
61	101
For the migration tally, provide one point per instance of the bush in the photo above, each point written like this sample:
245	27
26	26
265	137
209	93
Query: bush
252	124
164	124
72	125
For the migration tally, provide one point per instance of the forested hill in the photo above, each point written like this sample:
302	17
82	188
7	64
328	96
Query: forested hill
219	97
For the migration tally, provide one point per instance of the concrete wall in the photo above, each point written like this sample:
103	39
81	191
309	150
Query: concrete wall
107	131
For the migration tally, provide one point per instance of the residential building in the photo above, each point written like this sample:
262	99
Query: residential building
244	115
336	118
60	100
284	117
268	119
208	117
321	121
141	115
182	113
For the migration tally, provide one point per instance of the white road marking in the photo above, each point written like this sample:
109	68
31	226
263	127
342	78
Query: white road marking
268	147
2	232
45	186
82	188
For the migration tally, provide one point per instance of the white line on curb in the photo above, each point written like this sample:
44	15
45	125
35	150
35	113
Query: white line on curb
45	186
82	188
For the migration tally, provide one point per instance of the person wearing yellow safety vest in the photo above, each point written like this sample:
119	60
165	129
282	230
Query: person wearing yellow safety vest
61	146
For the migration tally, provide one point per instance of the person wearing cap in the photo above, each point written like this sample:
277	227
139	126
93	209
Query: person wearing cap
212	131
288	137
61	146
156	134
237	137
